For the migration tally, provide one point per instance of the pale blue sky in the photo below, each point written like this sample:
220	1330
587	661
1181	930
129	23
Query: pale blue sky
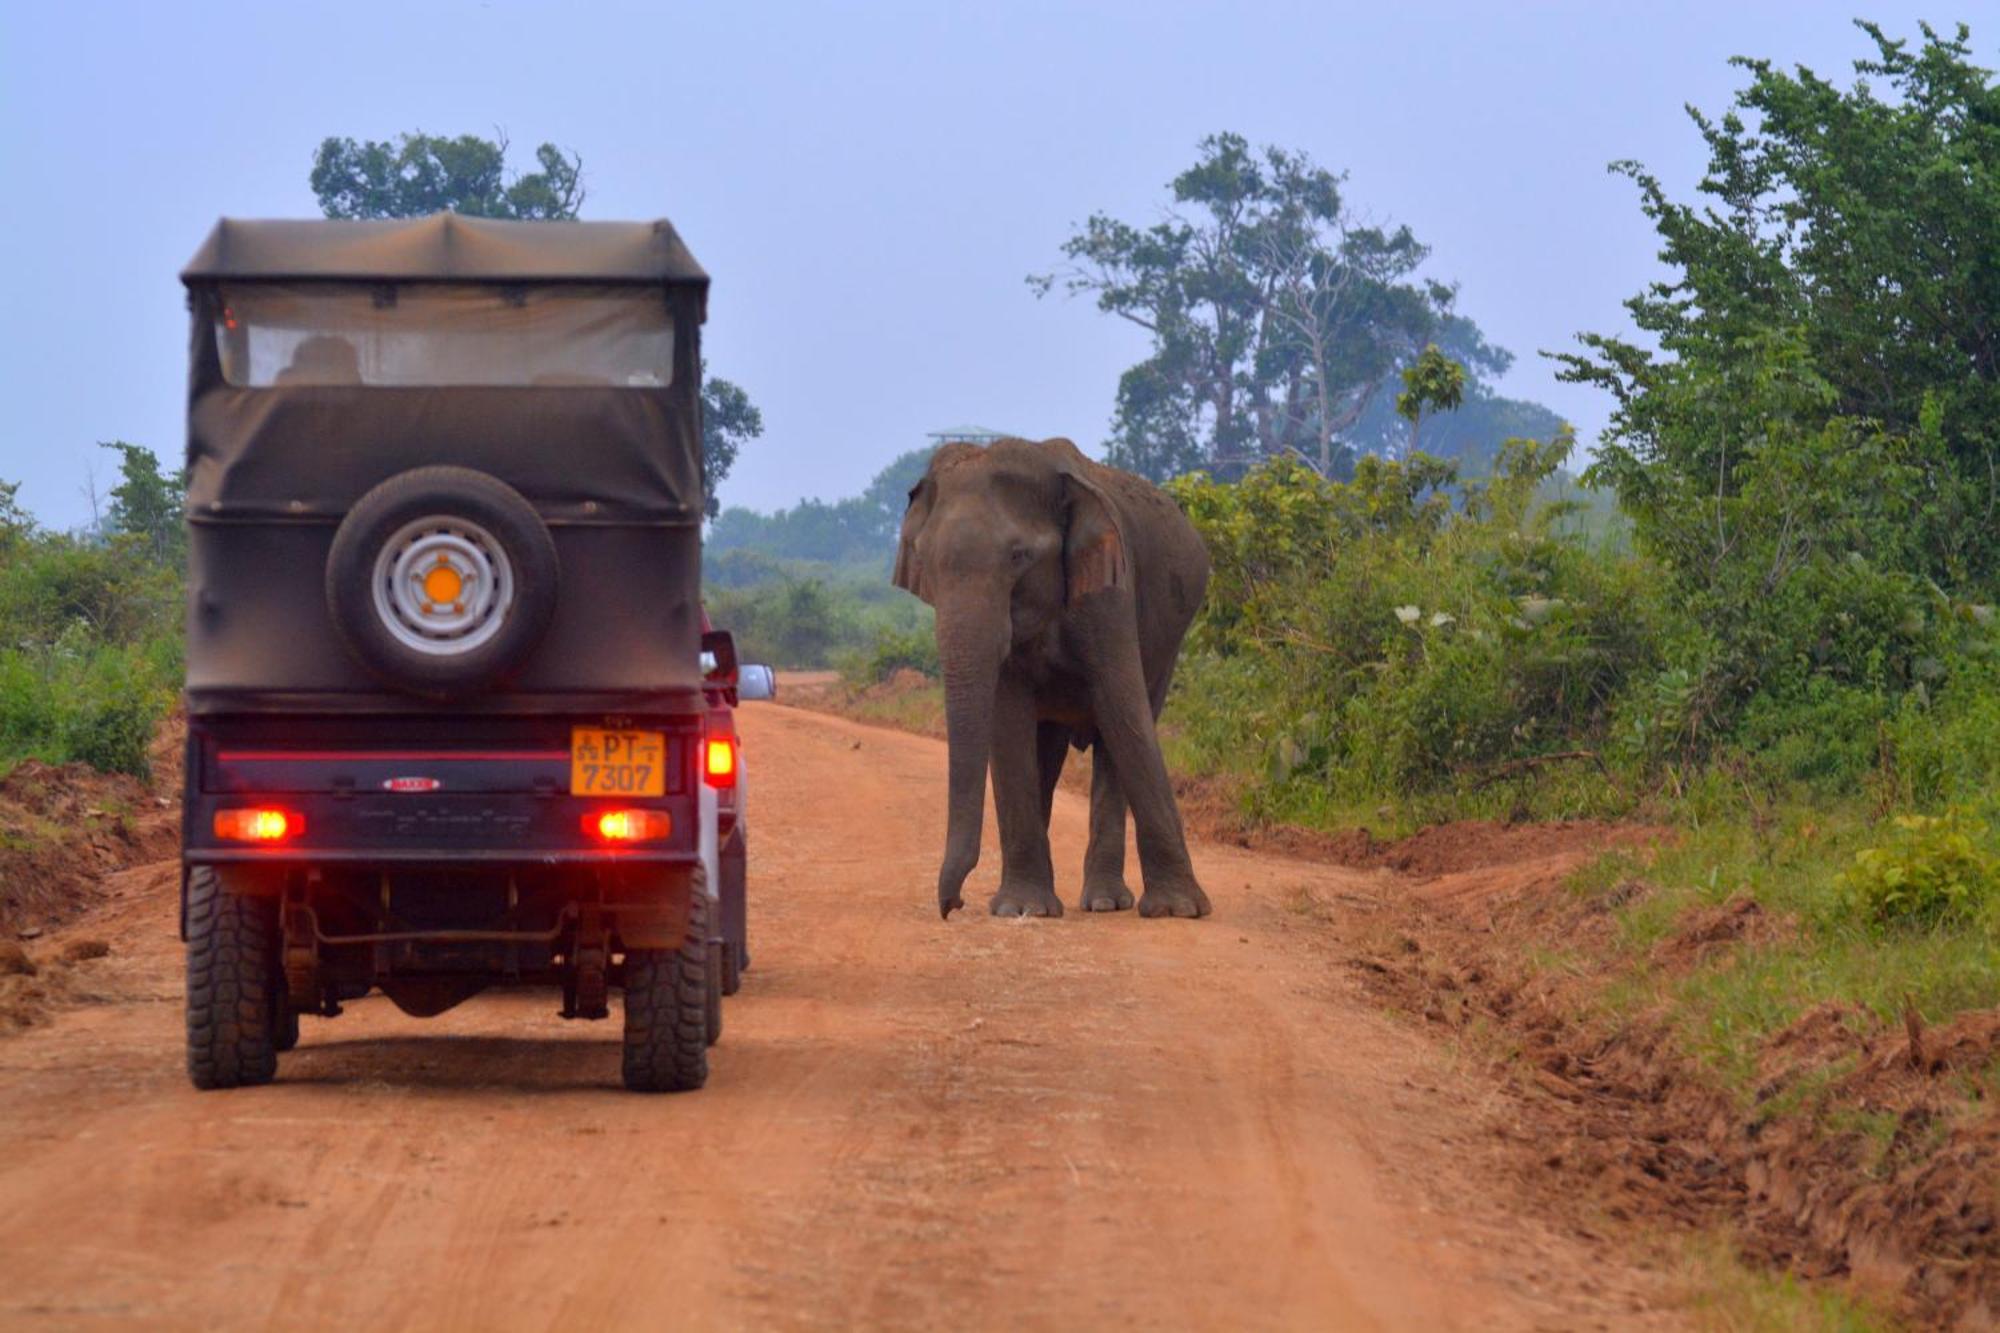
867	183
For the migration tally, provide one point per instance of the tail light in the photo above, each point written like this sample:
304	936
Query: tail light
718	765
258	825
718	749
628	825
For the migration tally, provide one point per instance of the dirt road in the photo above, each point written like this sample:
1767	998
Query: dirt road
1091	1122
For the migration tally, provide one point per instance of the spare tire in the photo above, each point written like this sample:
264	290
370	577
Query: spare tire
442	581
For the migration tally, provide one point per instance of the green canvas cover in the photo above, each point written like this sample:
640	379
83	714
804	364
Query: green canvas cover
275	462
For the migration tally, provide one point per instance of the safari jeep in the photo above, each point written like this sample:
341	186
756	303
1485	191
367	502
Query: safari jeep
447	682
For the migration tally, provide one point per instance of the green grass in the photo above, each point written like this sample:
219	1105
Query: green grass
1728	1296
1738	996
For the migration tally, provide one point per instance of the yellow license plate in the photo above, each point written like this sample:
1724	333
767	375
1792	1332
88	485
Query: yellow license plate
617	763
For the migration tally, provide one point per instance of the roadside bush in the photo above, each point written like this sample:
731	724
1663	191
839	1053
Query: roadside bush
90	650
1941	742
1378	639
1407	638
98	704
1931	870
53	585
913	649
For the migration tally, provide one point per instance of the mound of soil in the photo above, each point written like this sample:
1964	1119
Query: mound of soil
1447	849
1211	808
63	828
1868	1152
33	984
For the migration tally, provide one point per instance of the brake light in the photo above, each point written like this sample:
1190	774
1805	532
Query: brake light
628	825
719	765
258	825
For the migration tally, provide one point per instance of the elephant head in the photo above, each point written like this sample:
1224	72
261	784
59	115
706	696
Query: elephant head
1001	541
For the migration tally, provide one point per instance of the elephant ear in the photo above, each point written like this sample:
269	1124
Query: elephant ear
1093	540
909	572
909	575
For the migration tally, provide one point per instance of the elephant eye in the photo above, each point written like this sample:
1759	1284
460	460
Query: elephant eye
1022	556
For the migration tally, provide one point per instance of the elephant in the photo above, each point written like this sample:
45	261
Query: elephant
1063	589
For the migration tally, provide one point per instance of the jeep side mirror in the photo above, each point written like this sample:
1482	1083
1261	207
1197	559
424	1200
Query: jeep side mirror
755	681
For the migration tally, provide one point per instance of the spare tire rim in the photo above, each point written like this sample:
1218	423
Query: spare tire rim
443	586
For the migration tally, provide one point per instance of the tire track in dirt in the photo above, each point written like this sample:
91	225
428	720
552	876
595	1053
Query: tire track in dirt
910	1124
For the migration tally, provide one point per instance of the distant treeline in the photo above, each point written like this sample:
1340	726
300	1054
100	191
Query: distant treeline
860	530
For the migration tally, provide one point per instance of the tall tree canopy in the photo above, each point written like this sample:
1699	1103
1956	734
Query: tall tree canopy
1834	302
1278	317
420	174
1811	448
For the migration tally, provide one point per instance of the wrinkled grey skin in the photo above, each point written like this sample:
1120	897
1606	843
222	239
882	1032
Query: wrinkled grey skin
1063	589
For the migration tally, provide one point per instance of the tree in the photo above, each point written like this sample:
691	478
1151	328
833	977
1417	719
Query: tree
1277	316
729	420
16	523
148	504
1812	454
1432	383
1842	268
421	174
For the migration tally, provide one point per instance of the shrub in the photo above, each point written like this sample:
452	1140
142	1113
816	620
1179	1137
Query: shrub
90	649
92	703
1403	634
913	649
1931	870
1942	741
52	585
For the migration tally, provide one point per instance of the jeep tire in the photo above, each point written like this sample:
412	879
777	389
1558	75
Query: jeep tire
667	1001
234	1001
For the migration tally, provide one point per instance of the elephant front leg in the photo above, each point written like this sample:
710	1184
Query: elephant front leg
1027	875
1125	724
1104	888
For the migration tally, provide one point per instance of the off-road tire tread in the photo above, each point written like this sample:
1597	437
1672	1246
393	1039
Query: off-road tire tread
232	954
666	1008
715	966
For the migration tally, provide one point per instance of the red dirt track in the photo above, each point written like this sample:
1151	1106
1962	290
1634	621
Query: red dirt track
1098	1121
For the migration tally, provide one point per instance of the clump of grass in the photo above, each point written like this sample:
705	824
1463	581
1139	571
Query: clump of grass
1727	1295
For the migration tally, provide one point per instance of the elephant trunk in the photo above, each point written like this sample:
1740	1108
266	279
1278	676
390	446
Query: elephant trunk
972	641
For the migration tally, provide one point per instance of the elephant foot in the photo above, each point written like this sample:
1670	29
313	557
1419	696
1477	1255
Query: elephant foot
1176	900
1026	900
1105	895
